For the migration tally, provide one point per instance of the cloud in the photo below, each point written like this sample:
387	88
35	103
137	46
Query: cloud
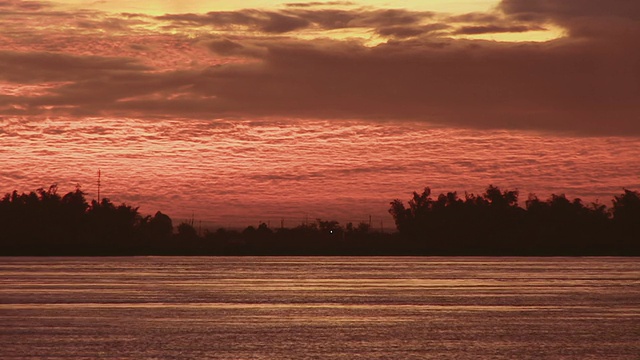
400	31
492	29
320	3
476	17
570	9
109	24
35	67
461	83
279	22
24	5
587	82
76	80
224	46
329	19
590	18
266	21
241	48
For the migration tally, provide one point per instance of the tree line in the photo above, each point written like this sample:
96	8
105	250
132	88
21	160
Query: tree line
493	223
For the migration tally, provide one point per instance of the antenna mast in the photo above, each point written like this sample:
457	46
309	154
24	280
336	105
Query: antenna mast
99	185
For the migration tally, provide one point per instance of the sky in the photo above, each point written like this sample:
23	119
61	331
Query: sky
235	112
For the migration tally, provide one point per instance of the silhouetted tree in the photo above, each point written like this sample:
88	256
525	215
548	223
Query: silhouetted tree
493	223
158	227
110	228
626	217
155	233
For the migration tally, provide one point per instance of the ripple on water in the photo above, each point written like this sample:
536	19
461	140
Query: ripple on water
316	308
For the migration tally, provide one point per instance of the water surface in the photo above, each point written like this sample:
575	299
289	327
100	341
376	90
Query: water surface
319	308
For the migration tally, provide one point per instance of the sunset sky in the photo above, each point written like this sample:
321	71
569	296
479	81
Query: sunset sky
236	112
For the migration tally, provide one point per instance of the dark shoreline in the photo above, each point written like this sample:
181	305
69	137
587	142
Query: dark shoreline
44	223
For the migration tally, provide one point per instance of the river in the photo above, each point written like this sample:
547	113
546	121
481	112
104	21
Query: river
319	308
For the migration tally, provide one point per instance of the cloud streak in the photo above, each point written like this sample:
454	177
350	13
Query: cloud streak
33	67
290	20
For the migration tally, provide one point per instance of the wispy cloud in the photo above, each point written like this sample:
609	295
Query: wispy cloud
320	3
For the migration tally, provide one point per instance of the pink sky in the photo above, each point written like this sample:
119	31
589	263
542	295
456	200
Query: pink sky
318	109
